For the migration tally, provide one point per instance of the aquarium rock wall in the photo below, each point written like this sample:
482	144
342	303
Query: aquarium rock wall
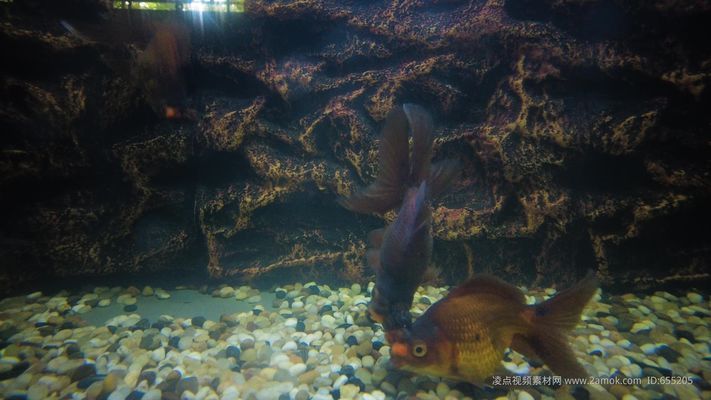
582	128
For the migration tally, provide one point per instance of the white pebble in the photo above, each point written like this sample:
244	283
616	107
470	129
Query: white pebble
297	369
523	395
289	346
231	393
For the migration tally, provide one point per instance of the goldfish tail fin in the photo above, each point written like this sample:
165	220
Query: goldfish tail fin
393	168
563	310
421	128
552	348
552	320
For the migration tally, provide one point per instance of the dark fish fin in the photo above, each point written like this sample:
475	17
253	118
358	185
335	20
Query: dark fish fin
393	168
372	257
373	199
412	218
489	284
442	174
421	128
375	238
431	275
72	30
421	208
553	319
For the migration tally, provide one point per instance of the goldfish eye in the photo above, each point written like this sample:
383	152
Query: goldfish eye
419	349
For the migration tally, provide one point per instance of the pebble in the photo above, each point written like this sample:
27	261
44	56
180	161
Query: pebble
226	292
349	391
297	369
523	395
695	298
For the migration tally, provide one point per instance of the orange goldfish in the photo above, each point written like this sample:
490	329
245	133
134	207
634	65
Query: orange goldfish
464	335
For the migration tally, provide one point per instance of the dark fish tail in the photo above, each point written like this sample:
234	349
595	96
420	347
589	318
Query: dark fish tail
551	322
398	170
421	128
441	175
413	217
393	168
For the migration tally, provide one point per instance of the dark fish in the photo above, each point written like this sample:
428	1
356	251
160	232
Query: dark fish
400	255
464	335
157	67
160	68
397	170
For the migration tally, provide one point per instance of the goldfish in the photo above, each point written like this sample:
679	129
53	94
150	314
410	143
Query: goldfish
464	335
400	253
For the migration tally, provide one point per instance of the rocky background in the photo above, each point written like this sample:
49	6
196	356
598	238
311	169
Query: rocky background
582	126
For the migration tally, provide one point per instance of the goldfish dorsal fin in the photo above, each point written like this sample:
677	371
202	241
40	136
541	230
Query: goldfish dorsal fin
491	285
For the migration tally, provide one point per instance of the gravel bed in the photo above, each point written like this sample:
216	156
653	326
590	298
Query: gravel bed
315	342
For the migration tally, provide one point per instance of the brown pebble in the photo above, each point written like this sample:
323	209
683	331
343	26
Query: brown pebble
94	390
110	382
309	376
133	291
619	390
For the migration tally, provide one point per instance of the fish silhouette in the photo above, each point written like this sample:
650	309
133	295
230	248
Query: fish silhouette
400	253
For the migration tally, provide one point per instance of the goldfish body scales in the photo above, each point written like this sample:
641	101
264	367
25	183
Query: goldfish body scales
478	338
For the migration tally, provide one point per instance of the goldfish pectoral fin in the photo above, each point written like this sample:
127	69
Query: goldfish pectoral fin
552	347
